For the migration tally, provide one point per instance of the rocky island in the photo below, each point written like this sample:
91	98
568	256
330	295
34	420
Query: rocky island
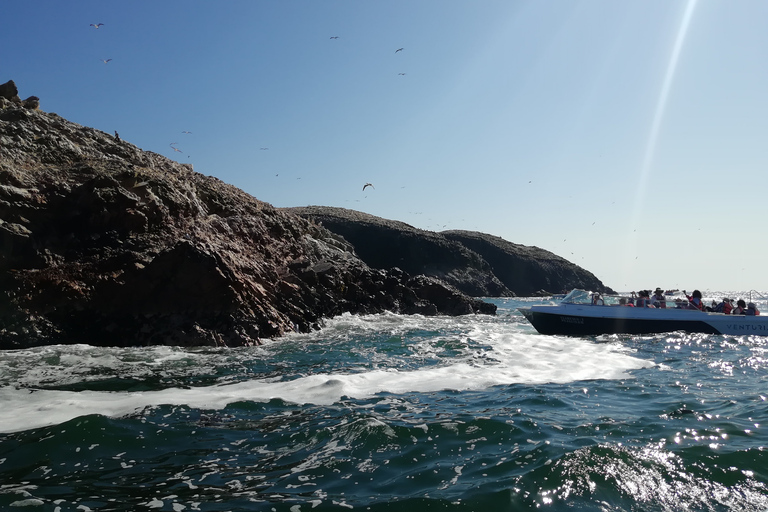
478	264
105	244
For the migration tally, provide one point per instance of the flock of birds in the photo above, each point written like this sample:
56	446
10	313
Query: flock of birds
174	144
186	132
105	61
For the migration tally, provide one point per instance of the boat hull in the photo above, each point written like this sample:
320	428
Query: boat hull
586	320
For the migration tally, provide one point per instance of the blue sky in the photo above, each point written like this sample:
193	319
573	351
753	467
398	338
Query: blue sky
628	137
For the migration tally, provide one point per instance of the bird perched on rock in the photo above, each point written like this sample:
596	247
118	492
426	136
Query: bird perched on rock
368	185
97	25
33	102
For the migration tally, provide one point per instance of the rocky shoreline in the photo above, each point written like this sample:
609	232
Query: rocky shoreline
102	243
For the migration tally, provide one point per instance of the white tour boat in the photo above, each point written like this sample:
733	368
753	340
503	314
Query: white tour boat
583	313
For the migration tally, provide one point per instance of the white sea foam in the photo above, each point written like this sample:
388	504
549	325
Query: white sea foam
510	357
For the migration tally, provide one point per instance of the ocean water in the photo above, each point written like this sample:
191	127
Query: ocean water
390	412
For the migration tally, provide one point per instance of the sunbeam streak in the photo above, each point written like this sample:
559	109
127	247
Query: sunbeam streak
653	135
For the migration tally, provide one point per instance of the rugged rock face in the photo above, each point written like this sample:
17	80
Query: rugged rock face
385	244
106	244
529	271
478	264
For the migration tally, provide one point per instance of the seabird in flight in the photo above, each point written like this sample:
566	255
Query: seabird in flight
334	37
97	25
368	185
186	132
105	60
399	50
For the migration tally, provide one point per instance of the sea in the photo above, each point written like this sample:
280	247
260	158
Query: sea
391	413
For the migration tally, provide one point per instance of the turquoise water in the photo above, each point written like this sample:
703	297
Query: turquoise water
389	412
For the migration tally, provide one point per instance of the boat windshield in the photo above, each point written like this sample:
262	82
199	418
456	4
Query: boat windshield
578	297
586	297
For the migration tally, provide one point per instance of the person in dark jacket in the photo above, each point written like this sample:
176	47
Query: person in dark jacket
741	307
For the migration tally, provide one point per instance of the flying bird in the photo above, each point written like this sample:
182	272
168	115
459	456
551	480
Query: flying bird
105	61
399	50
334	37
174	147
368	185
401	74
97	25
186	132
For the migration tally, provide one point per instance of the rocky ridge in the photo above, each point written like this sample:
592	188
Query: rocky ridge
105	244
478	264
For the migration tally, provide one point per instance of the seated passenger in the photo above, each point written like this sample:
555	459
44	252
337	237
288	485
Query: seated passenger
694	300
751	310
740	309
644	300
724	307
658	299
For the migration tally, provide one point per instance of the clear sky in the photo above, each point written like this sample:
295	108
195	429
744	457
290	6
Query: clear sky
629	137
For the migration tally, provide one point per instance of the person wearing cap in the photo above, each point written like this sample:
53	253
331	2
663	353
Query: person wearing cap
658	298
751	310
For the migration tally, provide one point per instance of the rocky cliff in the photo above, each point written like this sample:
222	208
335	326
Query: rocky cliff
527	270
478	264
384	244
106	244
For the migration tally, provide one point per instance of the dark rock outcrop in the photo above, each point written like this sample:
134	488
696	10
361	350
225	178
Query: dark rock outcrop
478	264
385	244
9	91
529	271
105	244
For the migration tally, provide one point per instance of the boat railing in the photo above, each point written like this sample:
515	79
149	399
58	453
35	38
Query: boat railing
758	296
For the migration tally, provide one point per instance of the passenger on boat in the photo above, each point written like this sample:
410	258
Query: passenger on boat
724	307
694	300
644	300
751	310
740	309
658	298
